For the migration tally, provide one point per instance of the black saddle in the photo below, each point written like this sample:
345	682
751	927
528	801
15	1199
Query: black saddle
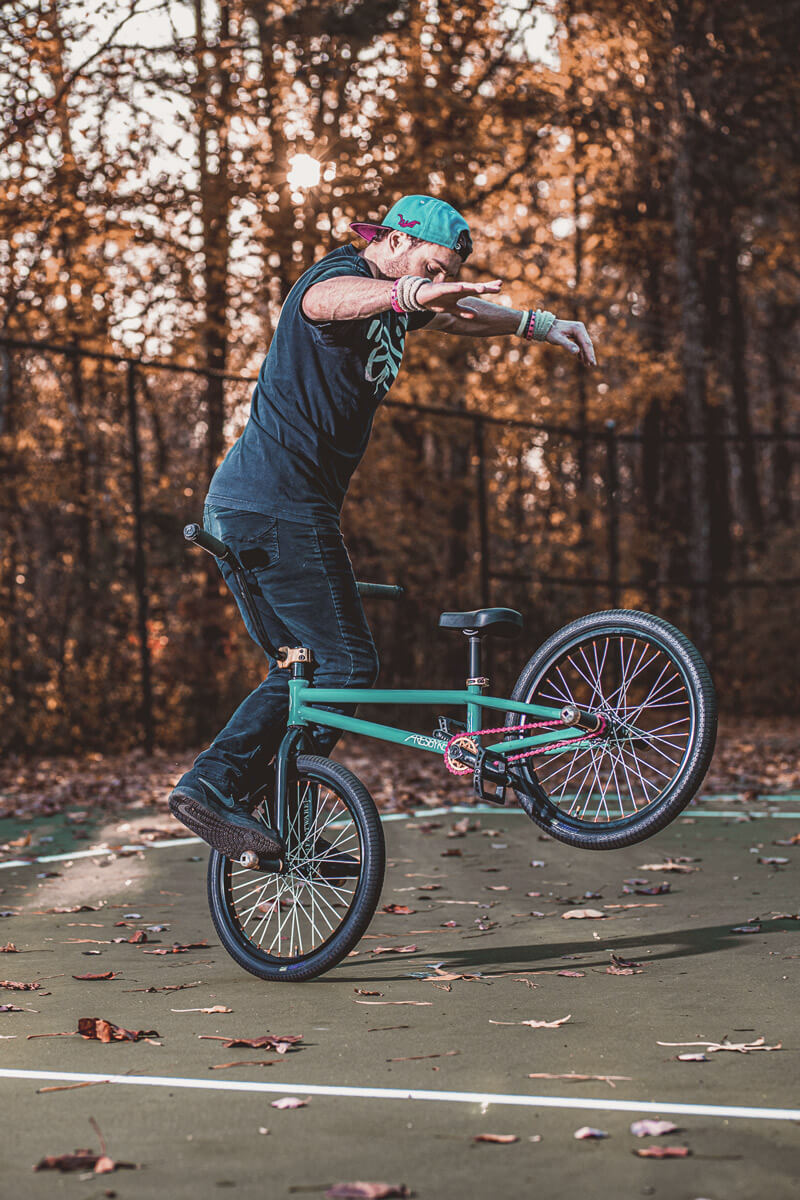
505	622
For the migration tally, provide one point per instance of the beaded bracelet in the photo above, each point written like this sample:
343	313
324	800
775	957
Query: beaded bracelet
394	301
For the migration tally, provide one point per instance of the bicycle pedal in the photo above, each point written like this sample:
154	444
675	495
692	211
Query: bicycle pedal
447	727
489	778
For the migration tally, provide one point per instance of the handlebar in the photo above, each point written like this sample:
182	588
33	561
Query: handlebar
200	537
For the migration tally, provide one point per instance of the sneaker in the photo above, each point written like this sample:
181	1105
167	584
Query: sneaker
222	821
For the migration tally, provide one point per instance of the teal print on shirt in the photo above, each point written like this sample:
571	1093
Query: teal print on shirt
386	354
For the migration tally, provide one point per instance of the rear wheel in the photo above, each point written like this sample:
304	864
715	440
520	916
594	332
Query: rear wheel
298	924
656	695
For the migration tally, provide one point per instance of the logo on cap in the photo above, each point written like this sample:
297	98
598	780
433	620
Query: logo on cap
406	224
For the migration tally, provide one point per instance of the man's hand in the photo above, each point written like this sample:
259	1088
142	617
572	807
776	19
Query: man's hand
572	336
444	297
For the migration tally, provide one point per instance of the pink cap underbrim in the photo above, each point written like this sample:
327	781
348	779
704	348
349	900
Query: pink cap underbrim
365	230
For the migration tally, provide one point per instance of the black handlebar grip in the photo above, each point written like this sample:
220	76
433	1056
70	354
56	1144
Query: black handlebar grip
200	537
380	589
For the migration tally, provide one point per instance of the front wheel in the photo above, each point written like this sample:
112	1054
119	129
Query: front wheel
655	692
298	924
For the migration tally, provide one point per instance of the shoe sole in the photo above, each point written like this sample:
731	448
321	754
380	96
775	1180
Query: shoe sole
229	839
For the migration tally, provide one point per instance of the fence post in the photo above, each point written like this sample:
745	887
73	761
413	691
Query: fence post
483	520
139	564
612	513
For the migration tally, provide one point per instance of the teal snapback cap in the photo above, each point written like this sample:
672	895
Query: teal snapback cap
426	218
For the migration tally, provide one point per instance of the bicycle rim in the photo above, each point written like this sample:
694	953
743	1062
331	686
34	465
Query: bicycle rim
641	688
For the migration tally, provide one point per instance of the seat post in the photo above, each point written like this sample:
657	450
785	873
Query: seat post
474	664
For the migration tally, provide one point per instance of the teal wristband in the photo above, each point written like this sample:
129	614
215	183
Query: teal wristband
543	322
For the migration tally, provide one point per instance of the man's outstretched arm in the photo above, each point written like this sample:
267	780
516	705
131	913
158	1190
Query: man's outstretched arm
493	320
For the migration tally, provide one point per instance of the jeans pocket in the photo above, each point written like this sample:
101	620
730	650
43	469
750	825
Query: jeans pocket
253	536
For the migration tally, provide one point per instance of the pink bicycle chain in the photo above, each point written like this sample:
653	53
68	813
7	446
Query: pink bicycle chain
513	729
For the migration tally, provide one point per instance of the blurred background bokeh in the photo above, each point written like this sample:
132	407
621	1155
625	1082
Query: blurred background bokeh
169	169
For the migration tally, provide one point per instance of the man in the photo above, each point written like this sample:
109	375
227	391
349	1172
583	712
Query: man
277	496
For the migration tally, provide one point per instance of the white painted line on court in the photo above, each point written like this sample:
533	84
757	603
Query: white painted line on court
48	858
483	1098
478	809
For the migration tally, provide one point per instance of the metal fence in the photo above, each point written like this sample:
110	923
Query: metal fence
548	518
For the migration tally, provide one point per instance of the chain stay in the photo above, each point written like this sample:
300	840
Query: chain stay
474	733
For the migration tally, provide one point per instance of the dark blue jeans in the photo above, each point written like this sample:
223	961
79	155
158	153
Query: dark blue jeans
305	591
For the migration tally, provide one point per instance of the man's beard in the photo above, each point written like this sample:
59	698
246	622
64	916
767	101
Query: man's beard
402	265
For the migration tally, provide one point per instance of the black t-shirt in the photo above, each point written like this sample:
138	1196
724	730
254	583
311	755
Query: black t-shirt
313	405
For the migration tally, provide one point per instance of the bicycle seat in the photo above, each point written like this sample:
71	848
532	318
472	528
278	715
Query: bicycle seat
505	622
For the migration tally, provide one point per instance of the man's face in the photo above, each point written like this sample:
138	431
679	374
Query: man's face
413	257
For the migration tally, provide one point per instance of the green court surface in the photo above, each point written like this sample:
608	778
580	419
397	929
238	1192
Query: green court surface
399	1082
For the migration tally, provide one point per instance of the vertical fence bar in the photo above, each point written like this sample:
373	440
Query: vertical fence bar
612	513
139	564
483	517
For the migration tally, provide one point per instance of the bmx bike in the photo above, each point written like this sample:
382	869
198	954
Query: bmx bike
605	739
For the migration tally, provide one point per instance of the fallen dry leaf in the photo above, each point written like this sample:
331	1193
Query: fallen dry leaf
102	975
217	1008
417	1003
178	948
503	1139
611	1080
746	929
366	1191
10	1008
9	948
536	1024
586	1131
654	889
738	1047
582	914
419	1057
401	910
67	1087
648	1128
100	1030
671	864
365	992
83	1160
773	862
623	962
246	1062
663	1152
168	987
691	1058
19	987
393	949
289	1102
269	1041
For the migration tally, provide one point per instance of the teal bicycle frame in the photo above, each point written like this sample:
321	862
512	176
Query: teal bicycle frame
303	696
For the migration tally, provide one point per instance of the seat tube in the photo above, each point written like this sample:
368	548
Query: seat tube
475	681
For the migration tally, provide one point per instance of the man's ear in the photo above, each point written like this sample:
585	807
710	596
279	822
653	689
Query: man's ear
397	241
